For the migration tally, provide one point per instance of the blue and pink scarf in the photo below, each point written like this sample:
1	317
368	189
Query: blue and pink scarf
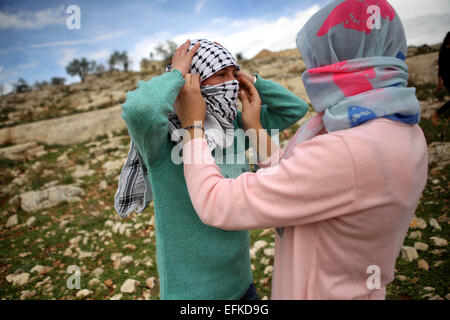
356	69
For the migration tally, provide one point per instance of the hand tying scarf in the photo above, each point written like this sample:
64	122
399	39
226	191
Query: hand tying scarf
356	71
134	190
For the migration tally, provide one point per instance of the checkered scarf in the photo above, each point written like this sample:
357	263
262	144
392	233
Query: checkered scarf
134	190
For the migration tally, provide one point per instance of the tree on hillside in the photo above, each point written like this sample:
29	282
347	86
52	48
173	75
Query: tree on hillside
38	85
21	86
57	81
100	69
80	67
119	58
2	89
113	60
125	60
167	51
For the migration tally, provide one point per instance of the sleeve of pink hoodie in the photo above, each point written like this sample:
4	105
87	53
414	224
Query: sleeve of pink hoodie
317	182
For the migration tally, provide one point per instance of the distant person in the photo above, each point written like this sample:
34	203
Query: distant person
444	76
194	261
349	181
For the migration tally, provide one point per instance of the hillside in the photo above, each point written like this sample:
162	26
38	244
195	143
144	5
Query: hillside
61	152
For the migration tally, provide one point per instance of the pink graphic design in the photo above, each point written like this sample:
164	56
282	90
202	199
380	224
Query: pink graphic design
350	82
353	15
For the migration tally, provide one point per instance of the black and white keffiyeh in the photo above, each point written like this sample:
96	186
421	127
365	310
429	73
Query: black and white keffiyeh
134	191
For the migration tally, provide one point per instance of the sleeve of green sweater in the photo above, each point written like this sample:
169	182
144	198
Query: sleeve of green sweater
146	110
280	108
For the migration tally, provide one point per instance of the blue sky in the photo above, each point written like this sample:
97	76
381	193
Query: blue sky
35	43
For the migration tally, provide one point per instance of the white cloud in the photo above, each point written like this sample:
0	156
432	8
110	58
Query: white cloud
408	9
247	36
143	48
7	87
252	35
32	20
199	6
15	72
425	22
24	66
99	55
8	74
68	54
427	29
104	37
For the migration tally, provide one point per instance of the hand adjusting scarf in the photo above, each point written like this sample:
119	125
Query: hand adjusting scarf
355	68
134	191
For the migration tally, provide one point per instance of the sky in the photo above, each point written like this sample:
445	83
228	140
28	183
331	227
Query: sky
36	44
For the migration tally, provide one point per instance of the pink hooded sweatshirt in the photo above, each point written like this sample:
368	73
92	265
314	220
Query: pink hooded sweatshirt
345	216
348	183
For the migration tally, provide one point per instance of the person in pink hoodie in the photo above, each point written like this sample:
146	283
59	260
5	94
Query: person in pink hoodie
348	183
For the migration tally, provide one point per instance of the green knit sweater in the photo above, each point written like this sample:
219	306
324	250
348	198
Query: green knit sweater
195	261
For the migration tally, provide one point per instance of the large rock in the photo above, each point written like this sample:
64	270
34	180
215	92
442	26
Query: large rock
41	269
73	129
12	221
83	293
33	201
429	107
129	286
439	153
439	242
24	151
409	253
423	68
418	223
18	279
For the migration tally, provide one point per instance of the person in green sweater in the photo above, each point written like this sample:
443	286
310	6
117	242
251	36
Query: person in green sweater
196	261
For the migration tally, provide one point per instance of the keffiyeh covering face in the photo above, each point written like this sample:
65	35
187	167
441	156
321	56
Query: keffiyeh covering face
356	69
221	100
134	190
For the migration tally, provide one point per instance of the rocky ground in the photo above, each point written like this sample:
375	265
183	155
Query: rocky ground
57	219
96	92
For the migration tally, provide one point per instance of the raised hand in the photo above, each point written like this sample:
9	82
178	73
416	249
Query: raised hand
182	58
191	106
246	75
251	119
251	104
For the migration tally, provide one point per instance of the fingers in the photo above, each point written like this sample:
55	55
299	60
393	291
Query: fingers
184	46
244	82
192	81
195	81
243	96
243	93
191	53
188	79
246	75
